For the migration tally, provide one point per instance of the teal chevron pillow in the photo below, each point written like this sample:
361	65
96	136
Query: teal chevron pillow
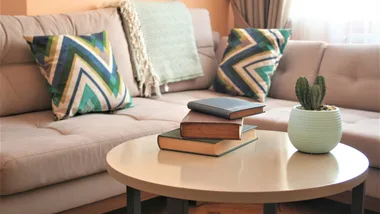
249	61
81	73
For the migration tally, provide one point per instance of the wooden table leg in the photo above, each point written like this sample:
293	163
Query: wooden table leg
357	205
270	208
177	206
133	201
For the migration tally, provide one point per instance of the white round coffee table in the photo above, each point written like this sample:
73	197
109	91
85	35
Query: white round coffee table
269	171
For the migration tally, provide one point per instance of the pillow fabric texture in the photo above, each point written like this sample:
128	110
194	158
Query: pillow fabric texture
162	43
249	61
81	73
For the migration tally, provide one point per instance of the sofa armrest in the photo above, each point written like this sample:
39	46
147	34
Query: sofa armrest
221	47
216	39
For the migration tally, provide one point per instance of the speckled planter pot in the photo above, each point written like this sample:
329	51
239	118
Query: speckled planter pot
314	131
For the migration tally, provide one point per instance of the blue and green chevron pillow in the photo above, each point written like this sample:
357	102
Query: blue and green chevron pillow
81	73
249	61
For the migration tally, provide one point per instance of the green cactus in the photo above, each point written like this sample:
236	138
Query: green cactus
311	97
320	80
315	95
302	91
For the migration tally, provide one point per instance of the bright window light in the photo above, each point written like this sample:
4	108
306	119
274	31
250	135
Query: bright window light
336	21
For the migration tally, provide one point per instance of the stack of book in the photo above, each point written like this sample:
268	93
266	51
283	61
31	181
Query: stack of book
213	126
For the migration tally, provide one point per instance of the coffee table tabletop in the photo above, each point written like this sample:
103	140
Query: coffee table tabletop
269	170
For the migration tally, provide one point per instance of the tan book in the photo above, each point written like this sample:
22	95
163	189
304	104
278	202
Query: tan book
172	140
199	125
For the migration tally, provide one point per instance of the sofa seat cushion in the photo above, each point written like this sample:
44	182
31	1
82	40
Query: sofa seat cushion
37	151
361	129
276	116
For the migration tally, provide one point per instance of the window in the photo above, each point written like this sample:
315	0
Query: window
336	21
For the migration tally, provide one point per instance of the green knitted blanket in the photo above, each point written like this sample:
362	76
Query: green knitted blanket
162	43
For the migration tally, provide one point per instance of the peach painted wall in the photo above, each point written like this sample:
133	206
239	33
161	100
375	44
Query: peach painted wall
219	9
13	7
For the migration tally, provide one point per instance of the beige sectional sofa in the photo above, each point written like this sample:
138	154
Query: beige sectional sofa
49	166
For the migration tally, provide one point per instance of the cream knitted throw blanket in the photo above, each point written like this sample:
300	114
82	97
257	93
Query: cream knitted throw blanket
148	81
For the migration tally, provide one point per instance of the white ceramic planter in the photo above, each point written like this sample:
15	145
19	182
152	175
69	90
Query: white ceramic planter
314	131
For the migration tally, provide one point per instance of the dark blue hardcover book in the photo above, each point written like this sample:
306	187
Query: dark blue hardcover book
226	107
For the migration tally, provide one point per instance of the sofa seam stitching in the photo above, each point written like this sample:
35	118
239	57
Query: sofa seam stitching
322	58
6	39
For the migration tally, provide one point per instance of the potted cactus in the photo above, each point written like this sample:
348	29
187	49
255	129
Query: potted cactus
314	127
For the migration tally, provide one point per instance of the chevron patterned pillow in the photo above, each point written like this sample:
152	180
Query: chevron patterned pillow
249	61
81	73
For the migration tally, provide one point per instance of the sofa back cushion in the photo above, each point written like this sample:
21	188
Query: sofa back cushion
352	74
22	87
205	45
301	58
